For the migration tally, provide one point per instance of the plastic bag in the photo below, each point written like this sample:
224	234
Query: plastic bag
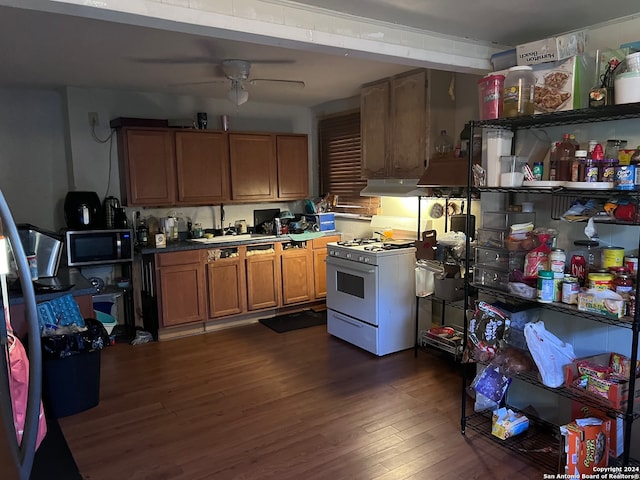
19	389
549	353
488	329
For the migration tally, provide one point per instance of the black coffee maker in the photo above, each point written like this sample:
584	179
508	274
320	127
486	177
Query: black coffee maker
83	211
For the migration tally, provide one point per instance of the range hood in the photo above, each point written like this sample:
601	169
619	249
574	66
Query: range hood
446	171
392	188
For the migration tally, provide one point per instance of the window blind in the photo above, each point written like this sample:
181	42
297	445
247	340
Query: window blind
339	142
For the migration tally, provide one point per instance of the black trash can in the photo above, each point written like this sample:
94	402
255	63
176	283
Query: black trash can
71	370
71	384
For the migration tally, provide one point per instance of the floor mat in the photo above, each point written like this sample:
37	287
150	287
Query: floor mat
53	458
295	321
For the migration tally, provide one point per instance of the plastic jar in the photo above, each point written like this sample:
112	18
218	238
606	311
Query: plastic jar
490	96
517	95
557	260
600	280
546	286
498	145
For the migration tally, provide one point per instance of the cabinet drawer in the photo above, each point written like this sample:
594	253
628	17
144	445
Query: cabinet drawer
489	277
178	258
500	259
322	241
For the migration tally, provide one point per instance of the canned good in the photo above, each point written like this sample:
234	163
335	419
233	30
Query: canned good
612	257
570	290
632	264
625	177
546	286
600	281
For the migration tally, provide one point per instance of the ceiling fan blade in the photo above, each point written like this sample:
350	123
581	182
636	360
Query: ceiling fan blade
173	61
293	83
207	82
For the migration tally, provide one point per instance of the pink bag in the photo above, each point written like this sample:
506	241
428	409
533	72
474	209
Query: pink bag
19	389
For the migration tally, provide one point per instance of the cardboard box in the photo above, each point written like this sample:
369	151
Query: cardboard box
506	423
562	85
326	222
616	435
602	302
615	395
552	49
586	445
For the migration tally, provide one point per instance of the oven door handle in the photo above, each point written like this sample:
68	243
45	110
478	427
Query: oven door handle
344	319
356	267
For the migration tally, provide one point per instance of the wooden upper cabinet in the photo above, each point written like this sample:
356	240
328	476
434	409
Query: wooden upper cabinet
253	167
147	167
202	167
408	118
374	112
293	167
394	127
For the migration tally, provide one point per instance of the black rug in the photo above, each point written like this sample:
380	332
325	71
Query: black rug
53	460
295	321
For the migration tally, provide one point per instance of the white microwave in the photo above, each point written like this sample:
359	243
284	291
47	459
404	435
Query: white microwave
98	247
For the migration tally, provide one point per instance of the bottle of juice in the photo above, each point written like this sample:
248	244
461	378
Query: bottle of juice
565	154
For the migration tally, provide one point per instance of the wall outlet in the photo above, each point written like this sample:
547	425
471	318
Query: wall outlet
94	121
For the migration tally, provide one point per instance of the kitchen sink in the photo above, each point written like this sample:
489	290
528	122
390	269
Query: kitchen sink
233	238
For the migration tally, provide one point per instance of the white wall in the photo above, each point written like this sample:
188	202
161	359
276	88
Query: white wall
33	158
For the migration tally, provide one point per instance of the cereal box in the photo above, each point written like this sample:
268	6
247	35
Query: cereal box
616	435
586	445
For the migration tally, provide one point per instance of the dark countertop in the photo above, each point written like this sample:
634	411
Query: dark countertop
232	241
65	276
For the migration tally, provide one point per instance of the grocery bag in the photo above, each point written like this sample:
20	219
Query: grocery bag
549	353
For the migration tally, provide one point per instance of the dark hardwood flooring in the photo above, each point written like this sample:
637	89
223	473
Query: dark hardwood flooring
248	403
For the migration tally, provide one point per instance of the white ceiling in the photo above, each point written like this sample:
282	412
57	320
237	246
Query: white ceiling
42	49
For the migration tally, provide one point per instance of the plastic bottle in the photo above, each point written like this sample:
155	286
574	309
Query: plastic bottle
577	169
517	98
553	161
443	144
592	170
565	154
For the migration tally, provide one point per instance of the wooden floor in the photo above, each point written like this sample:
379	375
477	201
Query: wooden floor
248	403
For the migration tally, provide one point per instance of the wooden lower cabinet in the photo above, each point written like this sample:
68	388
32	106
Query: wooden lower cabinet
263	280
297	275
319	265
227	294
182	288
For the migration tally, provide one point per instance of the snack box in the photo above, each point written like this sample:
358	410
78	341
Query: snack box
613	395
586	446
603	302
552	49
616	435
326	222
506	423
562	85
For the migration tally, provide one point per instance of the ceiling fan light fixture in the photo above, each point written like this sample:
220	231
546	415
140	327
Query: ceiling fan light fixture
237	95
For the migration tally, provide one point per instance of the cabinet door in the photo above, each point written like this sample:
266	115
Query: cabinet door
147	167
408	117
293	167
374	114
320	273
253	167
226	287
182	294
263	281
202	167
297	276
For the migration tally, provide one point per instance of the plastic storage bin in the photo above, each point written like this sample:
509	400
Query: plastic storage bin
504	220
500	259
492	278
492	237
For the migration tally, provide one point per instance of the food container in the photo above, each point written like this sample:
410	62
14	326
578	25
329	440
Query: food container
500	259
627	87
504	220
490	96
612	257
498	145
491	278
633	62
511	170
492	237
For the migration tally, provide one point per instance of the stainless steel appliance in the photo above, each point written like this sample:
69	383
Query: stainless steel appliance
98	247
46	245
371	294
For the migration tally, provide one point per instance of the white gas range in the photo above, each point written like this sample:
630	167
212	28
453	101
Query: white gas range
371	294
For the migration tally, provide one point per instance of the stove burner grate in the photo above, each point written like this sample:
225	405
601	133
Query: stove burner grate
356	242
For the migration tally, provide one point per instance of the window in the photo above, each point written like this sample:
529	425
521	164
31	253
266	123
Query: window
339	140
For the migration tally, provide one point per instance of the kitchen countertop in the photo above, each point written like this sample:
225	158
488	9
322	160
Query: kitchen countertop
65	276
232	241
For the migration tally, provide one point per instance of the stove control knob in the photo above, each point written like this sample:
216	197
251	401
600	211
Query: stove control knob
366	260
348	255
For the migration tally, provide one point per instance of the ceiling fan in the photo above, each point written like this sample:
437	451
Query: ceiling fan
236	71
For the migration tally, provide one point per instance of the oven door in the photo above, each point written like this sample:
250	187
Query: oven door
352	289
